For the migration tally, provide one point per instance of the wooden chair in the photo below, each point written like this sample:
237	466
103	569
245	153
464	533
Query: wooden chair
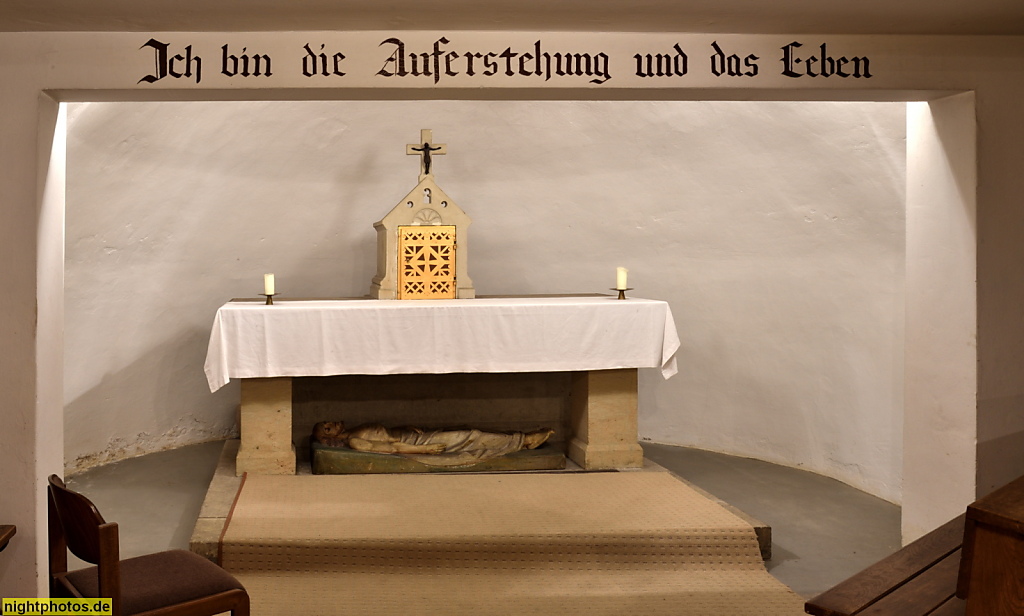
166	583
6	532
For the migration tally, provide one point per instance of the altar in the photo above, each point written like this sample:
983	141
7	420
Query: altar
602	341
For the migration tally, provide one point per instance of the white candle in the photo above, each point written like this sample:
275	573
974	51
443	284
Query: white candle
620	278
268	284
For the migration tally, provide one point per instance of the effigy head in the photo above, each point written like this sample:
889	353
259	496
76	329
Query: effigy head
327	431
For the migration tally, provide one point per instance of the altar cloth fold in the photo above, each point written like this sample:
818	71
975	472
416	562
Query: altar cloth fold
522	334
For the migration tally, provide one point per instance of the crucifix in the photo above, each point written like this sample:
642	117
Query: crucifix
425	148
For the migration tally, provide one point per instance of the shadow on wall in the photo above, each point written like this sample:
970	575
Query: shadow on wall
119	405
1004	452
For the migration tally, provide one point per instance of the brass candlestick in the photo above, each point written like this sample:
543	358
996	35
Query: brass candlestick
270	298
622	292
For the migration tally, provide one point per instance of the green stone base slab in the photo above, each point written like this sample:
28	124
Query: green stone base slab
345	461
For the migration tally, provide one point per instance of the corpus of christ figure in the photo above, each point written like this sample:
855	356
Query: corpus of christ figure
425	148
434	447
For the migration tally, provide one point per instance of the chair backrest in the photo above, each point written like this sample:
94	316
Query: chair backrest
76	524
79	519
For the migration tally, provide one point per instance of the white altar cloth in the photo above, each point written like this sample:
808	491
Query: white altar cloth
522	334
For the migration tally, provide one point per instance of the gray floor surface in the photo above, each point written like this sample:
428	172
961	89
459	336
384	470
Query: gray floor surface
823	531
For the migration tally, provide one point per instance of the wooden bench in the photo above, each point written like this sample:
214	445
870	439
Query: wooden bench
919	579
971	565
992	571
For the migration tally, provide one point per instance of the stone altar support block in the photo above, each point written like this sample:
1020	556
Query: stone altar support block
266	426
603	420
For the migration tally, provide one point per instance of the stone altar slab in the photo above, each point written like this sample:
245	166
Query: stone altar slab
601	340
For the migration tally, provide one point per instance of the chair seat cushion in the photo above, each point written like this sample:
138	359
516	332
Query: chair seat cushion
157	580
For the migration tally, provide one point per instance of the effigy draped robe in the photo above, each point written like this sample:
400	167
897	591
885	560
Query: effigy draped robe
461	446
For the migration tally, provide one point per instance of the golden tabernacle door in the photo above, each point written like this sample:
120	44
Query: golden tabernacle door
426	267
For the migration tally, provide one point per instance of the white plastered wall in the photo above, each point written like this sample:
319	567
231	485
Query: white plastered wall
775	231
941	339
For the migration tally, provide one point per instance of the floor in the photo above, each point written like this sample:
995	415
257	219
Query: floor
823	531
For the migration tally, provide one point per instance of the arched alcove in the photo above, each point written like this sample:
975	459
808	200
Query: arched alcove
956	218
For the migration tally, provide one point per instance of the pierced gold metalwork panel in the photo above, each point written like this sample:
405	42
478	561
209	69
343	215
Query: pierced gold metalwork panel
426	268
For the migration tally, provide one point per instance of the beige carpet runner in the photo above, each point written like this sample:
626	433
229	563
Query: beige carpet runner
637	544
